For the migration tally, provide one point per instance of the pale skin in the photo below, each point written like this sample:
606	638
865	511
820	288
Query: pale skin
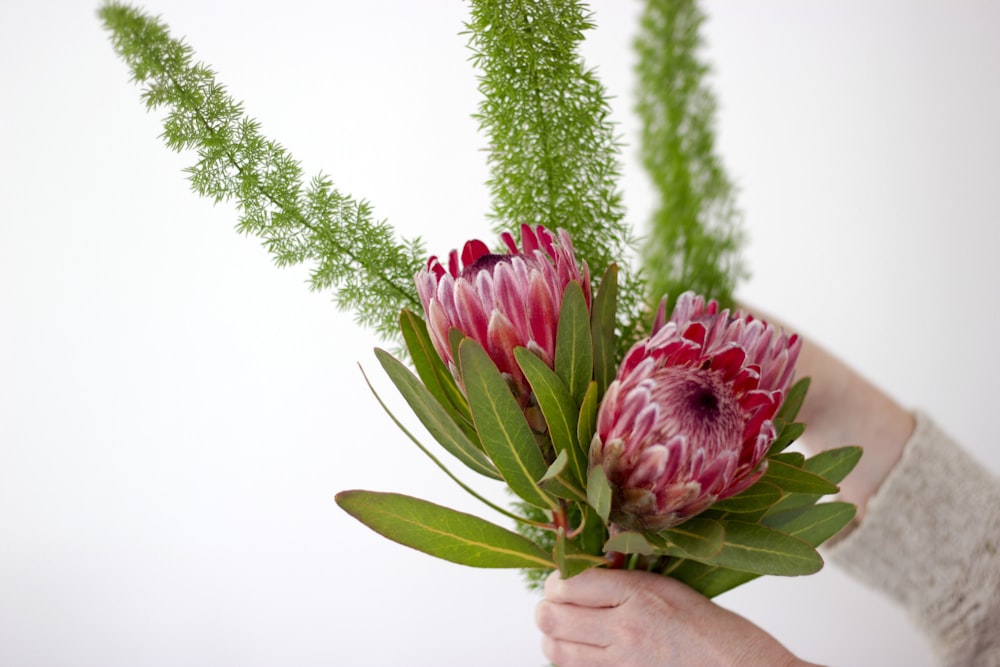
617	618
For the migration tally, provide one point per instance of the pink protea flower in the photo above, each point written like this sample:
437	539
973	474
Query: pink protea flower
502	301
687	420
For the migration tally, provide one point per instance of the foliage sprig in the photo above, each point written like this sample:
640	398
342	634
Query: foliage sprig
553	153
695	235
350	249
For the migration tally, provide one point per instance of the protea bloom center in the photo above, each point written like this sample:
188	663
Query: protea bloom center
502	301
688	419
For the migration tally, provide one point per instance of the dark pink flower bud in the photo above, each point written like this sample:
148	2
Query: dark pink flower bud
502	301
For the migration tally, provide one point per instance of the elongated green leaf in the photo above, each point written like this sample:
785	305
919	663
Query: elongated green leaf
442	532
455	338
574	349
593	533
587	422
558	409
699	539
758	497
629	542
750	550
791	458
796	480
602	326
710	580
789	434
570	560
793	401
468	489
752	547
434	417
432	371
832	465
814	524
556	468
599	492
506	436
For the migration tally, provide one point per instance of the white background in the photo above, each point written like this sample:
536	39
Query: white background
176	414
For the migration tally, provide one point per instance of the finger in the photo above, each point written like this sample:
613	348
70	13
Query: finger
593	588
571	654
569	622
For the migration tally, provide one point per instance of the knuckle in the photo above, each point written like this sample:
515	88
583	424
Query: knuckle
546	617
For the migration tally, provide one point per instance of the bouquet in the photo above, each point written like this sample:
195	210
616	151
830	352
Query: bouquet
639	420
671	459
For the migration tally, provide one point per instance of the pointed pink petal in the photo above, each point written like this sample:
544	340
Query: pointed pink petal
529	241
501	340
472	318
472	251
511	296
508	240
729	361
438	326
542	315
649	467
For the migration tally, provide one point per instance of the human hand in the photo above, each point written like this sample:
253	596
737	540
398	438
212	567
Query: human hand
623	618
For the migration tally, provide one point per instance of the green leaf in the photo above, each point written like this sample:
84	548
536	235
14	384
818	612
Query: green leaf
558	409
587	422
749	551
433	372
570	560
697	538
599	492
434	417
455	338
442	532
797	480
814	524
758	497
629	542
795	459
752	547
832	465
710	580
556	468
789	434
506	435
602	325
593	533
793	402
574	350
468	489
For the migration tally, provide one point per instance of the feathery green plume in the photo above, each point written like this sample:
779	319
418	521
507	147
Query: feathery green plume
351	250
553	155
695	235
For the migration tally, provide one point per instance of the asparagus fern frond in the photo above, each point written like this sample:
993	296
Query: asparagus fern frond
695	233
553	155
350	249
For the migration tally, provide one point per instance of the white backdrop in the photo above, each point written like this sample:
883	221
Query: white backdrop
176	414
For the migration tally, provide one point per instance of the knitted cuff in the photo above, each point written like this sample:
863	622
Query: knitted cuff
930	539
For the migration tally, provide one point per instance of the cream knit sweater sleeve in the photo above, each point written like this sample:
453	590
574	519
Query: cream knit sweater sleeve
931	541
